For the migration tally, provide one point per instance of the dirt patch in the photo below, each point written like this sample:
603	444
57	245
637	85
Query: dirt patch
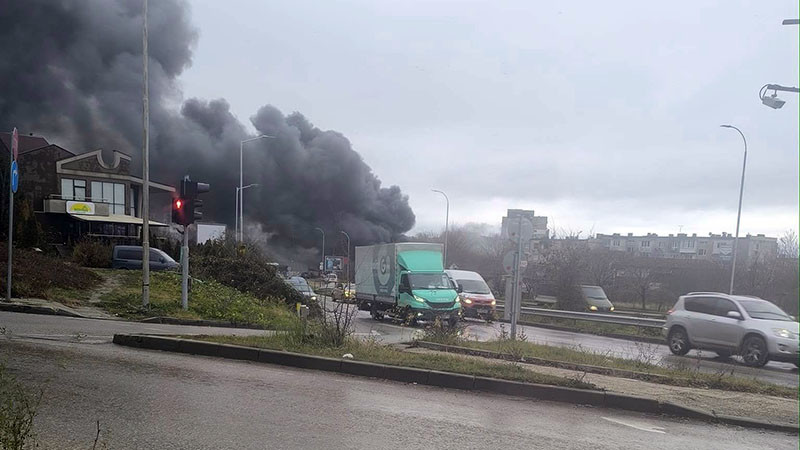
740	404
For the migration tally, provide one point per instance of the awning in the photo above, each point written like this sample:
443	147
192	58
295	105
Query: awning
116	218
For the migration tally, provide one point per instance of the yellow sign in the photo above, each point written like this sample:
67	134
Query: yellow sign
80	207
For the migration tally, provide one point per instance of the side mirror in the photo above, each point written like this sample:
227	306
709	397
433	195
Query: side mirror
459	289
734	315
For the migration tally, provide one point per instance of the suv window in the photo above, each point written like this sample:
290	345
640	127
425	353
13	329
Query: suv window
155	256
724	305
705	305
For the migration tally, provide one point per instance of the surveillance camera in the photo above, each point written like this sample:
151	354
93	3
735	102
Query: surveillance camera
773	101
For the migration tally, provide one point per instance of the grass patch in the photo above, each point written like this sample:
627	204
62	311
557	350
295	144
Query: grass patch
371	351
208	300
646	363
36	275
592	327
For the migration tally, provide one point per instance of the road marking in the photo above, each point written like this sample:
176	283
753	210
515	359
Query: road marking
638	427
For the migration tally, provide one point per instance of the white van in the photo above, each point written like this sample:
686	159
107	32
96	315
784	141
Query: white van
476	297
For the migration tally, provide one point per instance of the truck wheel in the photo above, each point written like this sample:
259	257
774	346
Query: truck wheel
376	315
410	317
452	322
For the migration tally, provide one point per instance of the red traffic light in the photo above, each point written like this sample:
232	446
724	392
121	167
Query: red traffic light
178	203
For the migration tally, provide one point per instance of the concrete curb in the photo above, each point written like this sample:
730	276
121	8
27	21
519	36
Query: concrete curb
36	309
627	337
200	322
541	362
436	378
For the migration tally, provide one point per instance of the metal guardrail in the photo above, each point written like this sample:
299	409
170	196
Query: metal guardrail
593	317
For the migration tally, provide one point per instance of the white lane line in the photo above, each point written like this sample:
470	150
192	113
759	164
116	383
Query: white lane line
638	427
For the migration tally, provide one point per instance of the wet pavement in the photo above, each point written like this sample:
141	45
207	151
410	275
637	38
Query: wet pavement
150	399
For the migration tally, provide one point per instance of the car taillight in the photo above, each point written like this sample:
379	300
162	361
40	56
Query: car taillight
670	311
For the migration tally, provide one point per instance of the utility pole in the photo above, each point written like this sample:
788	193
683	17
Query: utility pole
348	258
13	179
446	223
322	272
145	173
517	295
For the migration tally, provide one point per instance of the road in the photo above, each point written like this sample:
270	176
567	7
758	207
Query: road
773	372
151	399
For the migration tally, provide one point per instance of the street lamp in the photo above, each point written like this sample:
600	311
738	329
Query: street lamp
446	222
773	101
241	182
323	248
739	214
236	206
348	258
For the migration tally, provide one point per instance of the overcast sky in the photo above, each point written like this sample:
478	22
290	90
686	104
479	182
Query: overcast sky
603	116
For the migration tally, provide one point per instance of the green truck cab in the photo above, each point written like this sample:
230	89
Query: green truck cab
407	281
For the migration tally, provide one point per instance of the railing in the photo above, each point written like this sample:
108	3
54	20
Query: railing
593	317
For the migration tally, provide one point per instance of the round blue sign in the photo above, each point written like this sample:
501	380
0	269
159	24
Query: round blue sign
14	177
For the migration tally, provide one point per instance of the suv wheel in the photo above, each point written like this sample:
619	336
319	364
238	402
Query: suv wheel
754	351
678	341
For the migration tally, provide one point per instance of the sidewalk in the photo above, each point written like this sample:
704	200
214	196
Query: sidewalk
740	404
40	306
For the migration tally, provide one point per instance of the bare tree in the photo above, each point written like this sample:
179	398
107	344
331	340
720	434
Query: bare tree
601	267
788	245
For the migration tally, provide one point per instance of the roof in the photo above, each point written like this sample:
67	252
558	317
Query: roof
26	143
115	218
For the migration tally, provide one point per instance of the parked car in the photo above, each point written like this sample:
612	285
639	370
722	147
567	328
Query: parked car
331	278
130	257
596	299
345	293
301	285
477	299
726	324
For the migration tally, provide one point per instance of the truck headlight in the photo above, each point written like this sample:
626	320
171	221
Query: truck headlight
782	332
419	299
494	302
593	308
458	299
611	309
313	297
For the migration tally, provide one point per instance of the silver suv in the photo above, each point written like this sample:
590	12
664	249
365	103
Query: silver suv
732	324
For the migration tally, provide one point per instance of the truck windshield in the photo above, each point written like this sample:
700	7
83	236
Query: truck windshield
595	292
474	286
429	281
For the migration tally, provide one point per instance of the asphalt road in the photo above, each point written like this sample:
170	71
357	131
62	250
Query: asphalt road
774	372
150	399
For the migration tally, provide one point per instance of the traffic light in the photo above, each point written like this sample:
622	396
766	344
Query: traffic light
189	204
179	215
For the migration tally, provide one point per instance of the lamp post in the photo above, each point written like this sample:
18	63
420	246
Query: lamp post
240	236
236	206
446	223
348	258
322	271
739	213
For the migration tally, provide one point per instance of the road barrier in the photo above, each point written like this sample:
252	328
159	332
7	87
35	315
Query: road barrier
593	317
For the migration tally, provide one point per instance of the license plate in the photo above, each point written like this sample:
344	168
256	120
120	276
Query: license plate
483	310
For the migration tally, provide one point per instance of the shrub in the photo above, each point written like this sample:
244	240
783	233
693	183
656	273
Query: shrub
35	274
246	269
18	408
90	253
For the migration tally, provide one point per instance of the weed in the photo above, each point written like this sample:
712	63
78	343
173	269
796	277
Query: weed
18	406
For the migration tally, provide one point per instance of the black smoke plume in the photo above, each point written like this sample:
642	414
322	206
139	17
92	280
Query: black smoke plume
71	70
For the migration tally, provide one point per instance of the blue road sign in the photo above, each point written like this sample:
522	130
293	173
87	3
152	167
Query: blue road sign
14	177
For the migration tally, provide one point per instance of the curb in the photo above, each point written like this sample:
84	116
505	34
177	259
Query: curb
35	309
541	362
437	378
627	337
200	322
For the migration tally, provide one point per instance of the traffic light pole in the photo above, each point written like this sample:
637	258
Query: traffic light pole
185	269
